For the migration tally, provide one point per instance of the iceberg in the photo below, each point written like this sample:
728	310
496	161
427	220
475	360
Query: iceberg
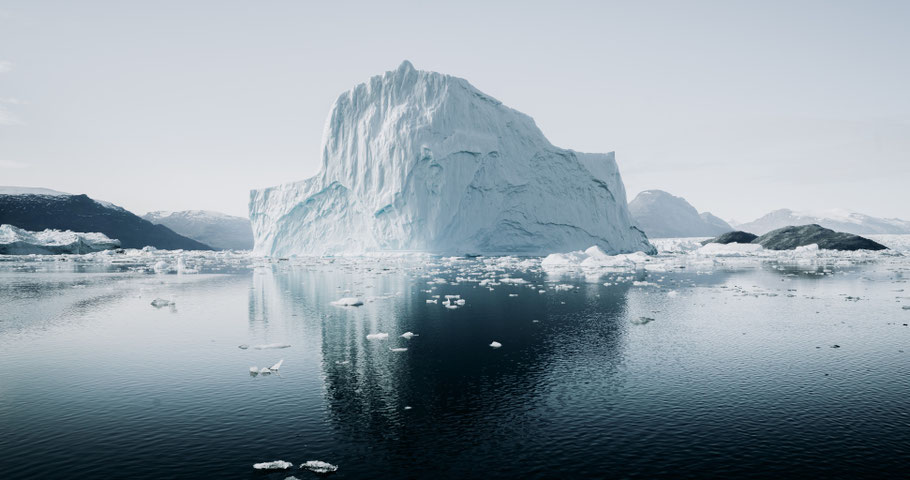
16	241
421	161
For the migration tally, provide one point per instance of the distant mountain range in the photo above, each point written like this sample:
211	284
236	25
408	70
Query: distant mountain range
662	215
839	220
221	231
37	209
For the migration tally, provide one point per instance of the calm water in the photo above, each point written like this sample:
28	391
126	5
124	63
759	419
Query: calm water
736	376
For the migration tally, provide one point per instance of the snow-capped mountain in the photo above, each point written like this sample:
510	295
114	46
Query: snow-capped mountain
218	230
416	160
40	209
839	220
662	215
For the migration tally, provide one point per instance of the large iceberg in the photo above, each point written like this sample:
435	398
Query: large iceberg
421	161
16	241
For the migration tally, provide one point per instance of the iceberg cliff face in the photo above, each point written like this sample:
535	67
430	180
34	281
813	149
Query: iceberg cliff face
415	160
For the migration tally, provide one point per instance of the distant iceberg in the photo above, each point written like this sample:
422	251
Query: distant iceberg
421	161
16	241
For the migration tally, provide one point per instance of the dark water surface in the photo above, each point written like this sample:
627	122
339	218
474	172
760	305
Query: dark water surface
736	376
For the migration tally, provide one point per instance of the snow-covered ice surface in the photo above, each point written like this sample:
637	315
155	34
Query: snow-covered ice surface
727	351
420	161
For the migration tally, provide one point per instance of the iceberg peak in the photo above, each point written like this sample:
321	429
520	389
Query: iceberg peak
422	161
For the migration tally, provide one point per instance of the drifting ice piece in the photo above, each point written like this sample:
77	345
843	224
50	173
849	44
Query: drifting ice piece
377	336
348	302
275	367
271	345
276	465
318	466
415	160
495	344
408	335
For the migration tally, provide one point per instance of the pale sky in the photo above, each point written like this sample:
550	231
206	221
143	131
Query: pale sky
740	107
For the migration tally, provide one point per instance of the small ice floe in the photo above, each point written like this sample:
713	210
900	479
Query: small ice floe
564	286
265	371
460	302
450	297
318	466
275	367
906	307
160	302
408	407
342	362
541	291
243	346
409	335
642	320
644	284
161	267
271	345
495	344
377	336
254	371
348	302
276	465
399	349
672	293
513	294
432	301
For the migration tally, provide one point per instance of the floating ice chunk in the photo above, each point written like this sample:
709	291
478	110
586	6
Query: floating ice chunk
276	465
399	349
517	281
729	250
459	302
562	287
271	345
513	294
348	302
642	320
431	301
265	371
672	293
644	284
408	407
254	371
275	367
243	346
409	335
377	336
450	297
160	302
495	344
319	466
161	267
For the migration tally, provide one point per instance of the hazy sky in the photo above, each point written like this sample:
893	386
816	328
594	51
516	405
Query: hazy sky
741	107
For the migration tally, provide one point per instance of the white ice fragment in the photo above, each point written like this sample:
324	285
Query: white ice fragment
275	367
348	302
265	371
271	345
408	335
276	465
377	336
513	294
254	370
431	301
495	344
398	349
319	466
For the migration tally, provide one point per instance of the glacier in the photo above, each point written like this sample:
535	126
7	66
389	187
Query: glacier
421	161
